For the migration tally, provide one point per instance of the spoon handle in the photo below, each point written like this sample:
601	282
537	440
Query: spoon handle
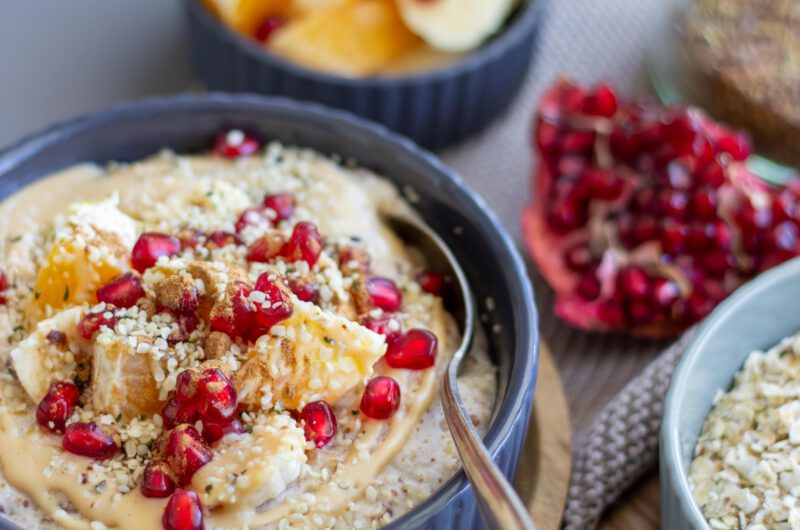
499	504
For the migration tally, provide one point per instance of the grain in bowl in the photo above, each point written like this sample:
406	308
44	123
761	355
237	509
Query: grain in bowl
236	333
746	467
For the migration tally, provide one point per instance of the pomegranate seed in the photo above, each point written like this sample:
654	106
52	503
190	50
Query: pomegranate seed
588	286
384	293
385	325
611	312
305	244
673	237
603	102
151	246
215	430
91	440
92	322
57	405
633	281
266	248
433	282
305	290
123	291
276	307
735	144
646	228
216	395
567	215
578	258
414	350
280	203
183	511
185	451
602	184
640	312
157	481
319	423
187	324
220	239
704	205
381	398
547	137
186	385
674	204
3	287
270	25
252	217
576	142
235	143
698	307
354	260
176	412
235	314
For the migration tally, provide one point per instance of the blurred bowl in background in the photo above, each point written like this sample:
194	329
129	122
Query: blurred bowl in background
435	108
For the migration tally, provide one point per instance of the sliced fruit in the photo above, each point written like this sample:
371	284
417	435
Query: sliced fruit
455	25
314	355
646	217
39	360
353	38
123	381
90	249
245	16
250	469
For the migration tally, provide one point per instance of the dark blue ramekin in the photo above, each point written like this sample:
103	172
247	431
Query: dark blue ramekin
188	123
434	108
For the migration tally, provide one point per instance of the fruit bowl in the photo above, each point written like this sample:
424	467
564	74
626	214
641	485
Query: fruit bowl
755	317
189	123
435	108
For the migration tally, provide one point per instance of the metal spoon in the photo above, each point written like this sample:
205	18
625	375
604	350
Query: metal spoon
499	504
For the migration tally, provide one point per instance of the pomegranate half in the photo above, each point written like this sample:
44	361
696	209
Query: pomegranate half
645	217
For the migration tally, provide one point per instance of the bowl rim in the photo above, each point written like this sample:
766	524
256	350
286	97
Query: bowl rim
523	366
499	45
677	478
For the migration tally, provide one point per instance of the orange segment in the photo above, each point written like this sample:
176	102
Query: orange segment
71	275
352	38
245	16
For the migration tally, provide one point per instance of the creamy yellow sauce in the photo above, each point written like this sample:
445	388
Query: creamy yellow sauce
28	455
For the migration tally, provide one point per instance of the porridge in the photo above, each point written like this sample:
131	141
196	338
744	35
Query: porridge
226	340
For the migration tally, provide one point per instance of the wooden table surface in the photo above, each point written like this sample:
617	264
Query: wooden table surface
638	510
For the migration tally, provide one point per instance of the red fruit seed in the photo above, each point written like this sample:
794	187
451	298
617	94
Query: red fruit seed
57	405
183	511
185	451
235	143
381	398
123	291
157	481
415	350
384	293
92	322
150	246
91	440
305	244
320	423
280	203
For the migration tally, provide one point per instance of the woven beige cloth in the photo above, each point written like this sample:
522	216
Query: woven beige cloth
615	397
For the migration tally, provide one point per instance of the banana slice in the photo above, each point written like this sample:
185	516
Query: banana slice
313	355
52	352
250	469
455	25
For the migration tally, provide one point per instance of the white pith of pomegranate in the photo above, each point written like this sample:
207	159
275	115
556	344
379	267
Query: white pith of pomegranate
645	217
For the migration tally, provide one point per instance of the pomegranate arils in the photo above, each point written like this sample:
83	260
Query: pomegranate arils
433	282
150	246
266	248
185	451
57	405
280	203
220	239
381	398
92	322
414	350
304	289
384	293
235	143
634	199
214	430
216	395
237	315
157	481
274	307
305	244
183	511
123	291
176	412
186	385
319	423
354	260
252	217
91	440
385	325
270	24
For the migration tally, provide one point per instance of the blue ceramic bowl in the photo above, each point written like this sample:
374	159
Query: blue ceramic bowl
434	108
756	317
489	258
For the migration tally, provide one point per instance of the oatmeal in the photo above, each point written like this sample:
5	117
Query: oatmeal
746	469
231	340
